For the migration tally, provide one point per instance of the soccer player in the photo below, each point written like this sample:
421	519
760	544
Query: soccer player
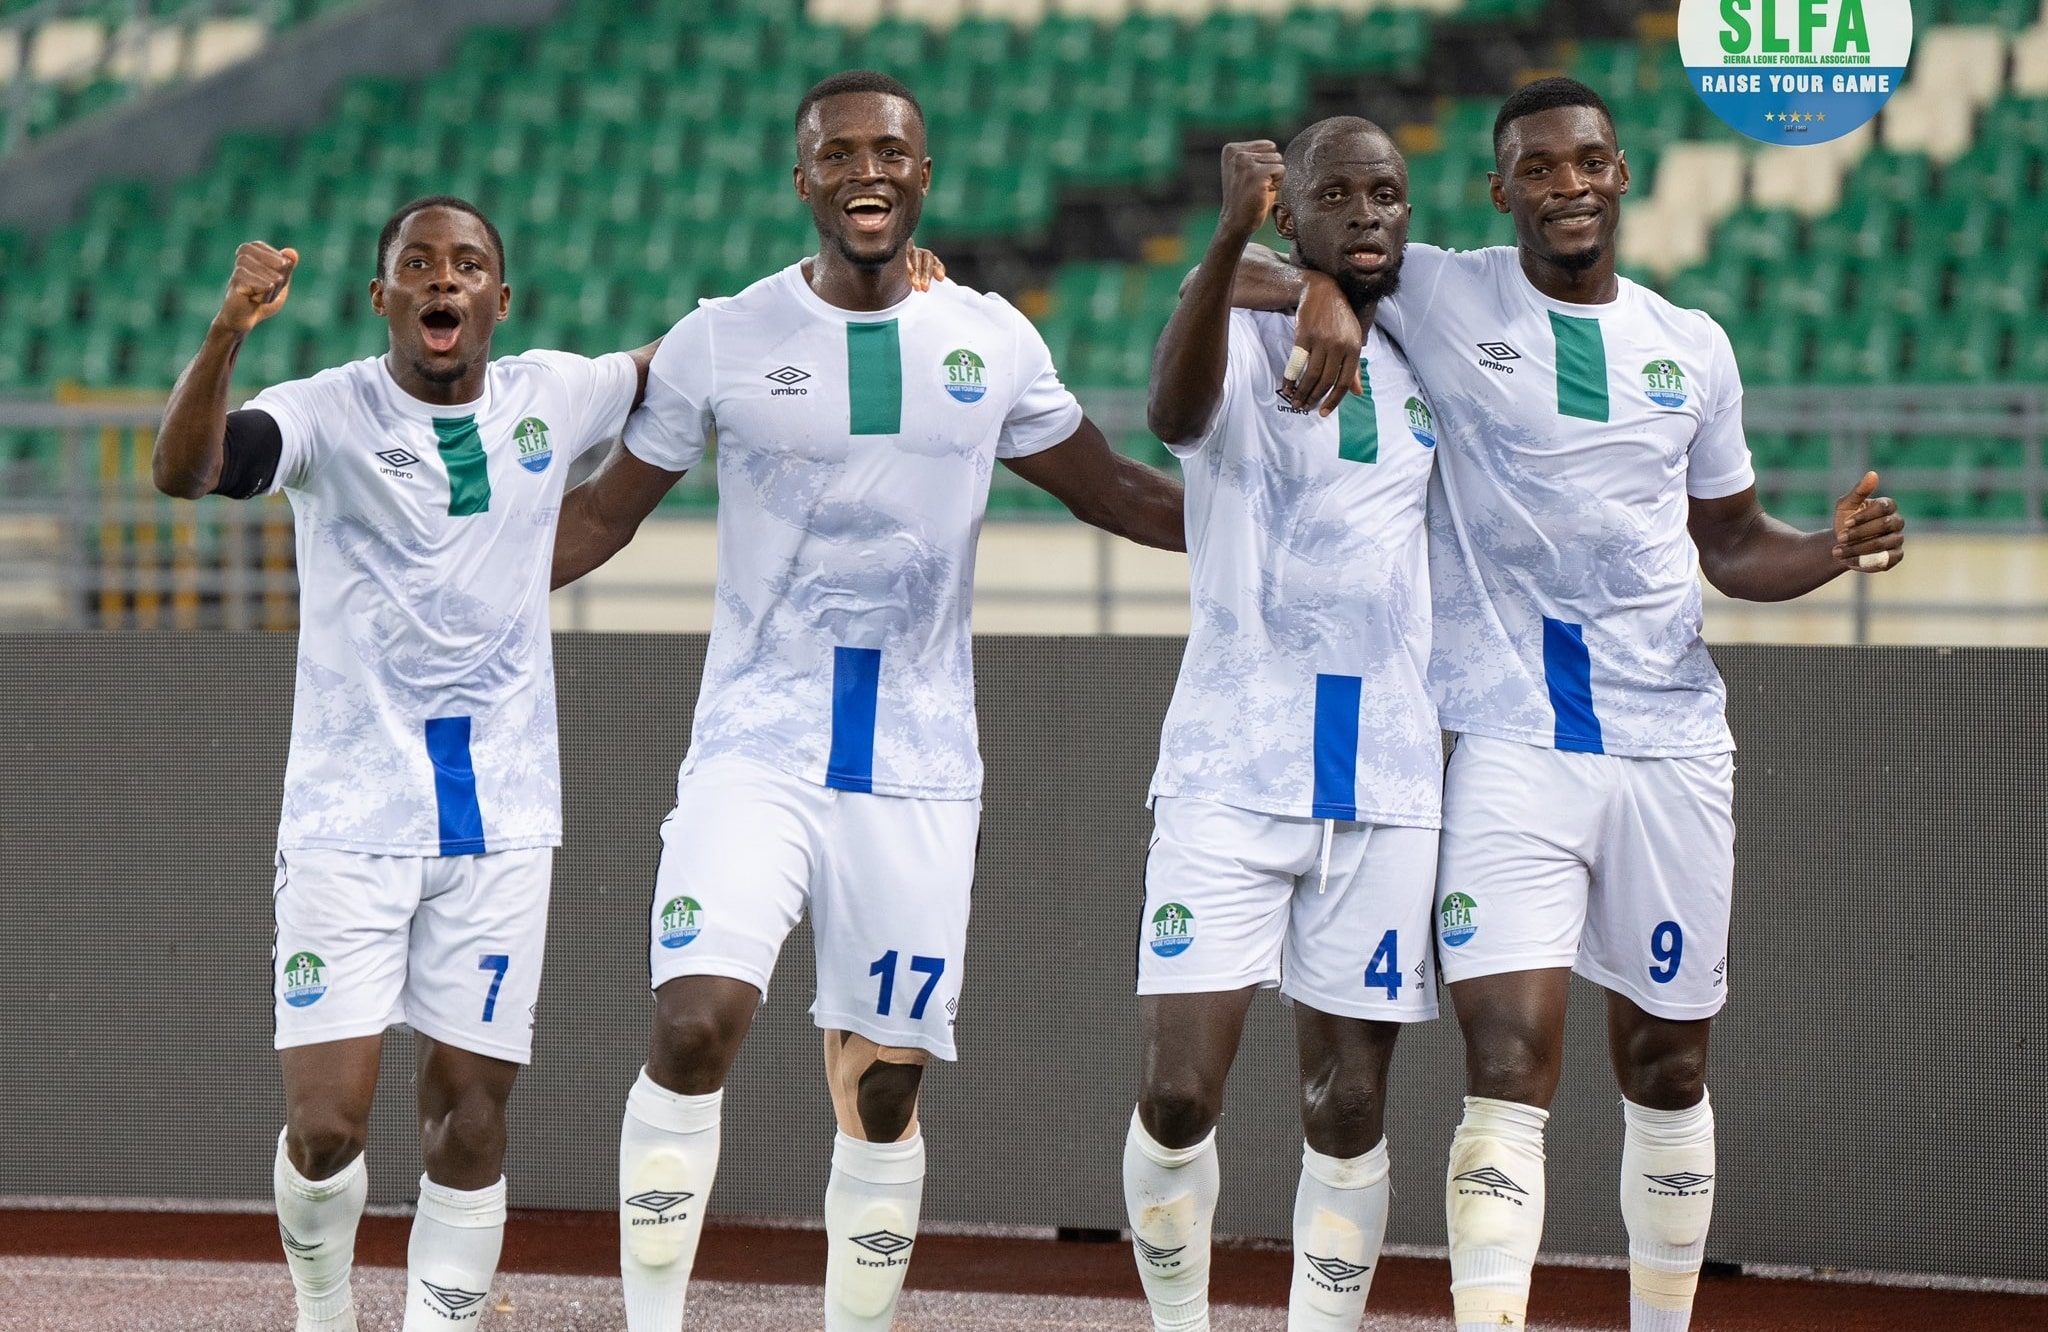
832	763
422	800
1594	465
1300	772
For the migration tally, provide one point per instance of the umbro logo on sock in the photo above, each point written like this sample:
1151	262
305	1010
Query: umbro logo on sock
1152	1253
1336	1268
454	1302
658	1202
294	1243
1684	1184
885	1242
1492	1182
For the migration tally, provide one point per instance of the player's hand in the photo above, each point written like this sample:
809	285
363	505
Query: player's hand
1327	341
1252	173
1870	533
925	268
262	280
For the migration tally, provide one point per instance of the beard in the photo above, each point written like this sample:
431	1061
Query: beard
444	374
1582	260
1366	288
873	262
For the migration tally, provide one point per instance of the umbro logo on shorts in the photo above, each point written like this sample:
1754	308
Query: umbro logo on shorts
1491	354
455	1301
1336	1269
885	1242
659	1202
1152	1253
1684	1184
1491	1178
788	377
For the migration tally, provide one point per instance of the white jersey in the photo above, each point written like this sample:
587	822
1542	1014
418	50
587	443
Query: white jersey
854	455
1303	688
423	722
1574	436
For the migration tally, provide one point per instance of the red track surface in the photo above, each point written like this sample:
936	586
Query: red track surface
586	1243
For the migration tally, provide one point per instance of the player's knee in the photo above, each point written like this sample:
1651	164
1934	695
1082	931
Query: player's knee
1666	1078
1344	1117
465	1137
1507	1063
321	1145
694	1049
886	1099
1179	1113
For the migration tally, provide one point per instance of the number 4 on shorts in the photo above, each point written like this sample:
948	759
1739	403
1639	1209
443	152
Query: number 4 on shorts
1384	971
931	968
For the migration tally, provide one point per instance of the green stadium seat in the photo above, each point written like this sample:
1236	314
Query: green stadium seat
1814	284
1865	352
1864	227
1908	284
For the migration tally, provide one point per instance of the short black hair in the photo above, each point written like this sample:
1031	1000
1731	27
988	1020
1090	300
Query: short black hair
1544	95
1299	148
855	81
389	236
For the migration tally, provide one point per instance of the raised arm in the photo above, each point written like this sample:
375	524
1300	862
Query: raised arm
191	444
1326	328
1194	350
600	516
1104	489
1746	553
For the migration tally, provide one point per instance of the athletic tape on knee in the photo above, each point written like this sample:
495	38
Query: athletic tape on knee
1667	1199
1493	1202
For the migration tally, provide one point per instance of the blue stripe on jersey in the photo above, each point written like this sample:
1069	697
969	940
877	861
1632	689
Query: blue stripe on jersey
1336	746
1568	671
462	822
856	680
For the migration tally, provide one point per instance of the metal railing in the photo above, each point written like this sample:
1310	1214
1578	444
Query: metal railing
86	542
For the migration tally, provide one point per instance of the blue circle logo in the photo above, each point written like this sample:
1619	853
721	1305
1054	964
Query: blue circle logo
1421	423
681	921
535	452
1457	920
1173	930
1664	382
1795	72
305	979
966	376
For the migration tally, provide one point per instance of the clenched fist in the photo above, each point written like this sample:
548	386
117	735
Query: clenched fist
1252	173
262	280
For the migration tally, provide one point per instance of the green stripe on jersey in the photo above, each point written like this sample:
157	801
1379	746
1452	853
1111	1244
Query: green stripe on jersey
1581	367
1358	424
874	379
469	472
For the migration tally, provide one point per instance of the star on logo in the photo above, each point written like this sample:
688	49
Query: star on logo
397	458
454	1300
658	1202
1500	351
885	1242
1336	1268
788	375
1492	1178
293	1242
1152	1253
1682	1181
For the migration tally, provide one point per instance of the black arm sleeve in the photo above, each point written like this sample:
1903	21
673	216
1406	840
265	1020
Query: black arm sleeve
255	446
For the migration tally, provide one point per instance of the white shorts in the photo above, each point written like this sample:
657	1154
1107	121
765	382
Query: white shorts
1619	868
449	945
1235	898
887	881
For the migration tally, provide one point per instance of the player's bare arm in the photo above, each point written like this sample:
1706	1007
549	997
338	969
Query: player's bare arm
600	516
191	443
1194	350
1748	554
1104	489
1326	328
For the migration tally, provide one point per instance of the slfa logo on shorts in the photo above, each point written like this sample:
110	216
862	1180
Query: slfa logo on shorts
1173	930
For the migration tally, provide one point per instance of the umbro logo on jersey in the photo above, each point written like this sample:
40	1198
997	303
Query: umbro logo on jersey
453	1300
659	1202
788	377
1336	1270
1155	1255
396	461
1491	354
1684	1184
1490	1181
1289	407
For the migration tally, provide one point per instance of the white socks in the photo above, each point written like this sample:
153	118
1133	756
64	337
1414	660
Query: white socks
668	1154
1493	1201
1170	1195
871	1207
316	1220
1667	1200
456	1235
1340	1221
